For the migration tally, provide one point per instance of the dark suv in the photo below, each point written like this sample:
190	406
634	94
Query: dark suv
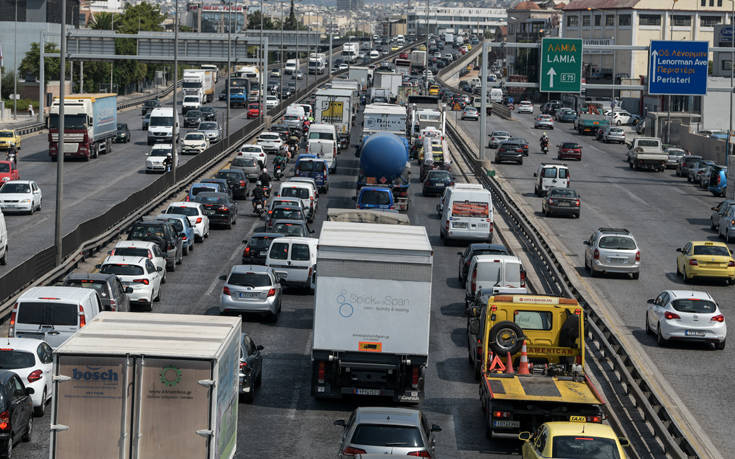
16	411
162	233
256	248
237	180
149	105
111	291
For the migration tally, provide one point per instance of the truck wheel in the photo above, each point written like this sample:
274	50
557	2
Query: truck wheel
506	337
489	422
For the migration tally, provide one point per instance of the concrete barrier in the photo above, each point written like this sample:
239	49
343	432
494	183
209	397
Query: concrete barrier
706	147
502	111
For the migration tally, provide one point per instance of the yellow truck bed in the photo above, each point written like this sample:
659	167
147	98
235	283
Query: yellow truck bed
542	389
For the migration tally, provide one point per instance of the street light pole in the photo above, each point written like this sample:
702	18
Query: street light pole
261	111
730	190
280	86
58	240
112	28
426	52
174	128
15	65
229	71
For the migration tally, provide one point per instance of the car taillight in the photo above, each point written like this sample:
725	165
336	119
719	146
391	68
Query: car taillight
671	315
224	208
11	330
199	220
82	317
523	278
415	377
693	262
473	284
244	366
638	256
113	305
595	419
321	373
271	292
141	281
226	290
422	453
551	201
351	450
187	199
5	420
577	203
501	414
596	254
718	318
150	255
246	252
35	376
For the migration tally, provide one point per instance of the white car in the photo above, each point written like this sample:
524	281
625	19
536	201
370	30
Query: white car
194	211
194	142
619	117
374	54
271	101
253	151
191	103
156	159
147	249
525	107
20	196
32	360
140	274
343	66
686	315
270	141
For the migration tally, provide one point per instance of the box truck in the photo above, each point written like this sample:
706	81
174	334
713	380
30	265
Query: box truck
372	307
335	106
388	80
132	385
90	124
359	74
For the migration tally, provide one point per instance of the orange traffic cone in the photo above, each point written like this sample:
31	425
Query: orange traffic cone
509	367
523	365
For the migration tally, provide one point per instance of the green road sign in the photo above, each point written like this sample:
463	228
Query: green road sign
561	65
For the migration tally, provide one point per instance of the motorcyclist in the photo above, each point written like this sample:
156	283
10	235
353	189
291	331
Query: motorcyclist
12	155
280	159
264	179
544	141
168	162
258	193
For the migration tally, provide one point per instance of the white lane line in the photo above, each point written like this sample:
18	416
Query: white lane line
295	394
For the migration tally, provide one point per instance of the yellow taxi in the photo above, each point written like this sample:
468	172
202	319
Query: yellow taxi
705	259
395	48
469	47
9	138
422	47
434	90
573	439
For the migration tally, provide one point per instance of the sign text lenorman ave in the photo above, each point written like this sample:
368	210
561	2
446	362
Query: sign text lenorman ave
561	65
678	67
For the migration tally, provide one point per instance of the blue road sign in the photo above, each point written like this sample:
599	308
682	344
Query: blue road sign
678	67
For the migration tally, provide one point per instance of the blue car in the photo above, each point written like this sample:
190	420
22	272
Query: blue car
718	181
186	231
376	198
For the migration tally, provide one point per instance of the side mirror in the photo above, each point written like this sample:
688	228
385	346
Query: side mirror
340	422
128	289
714	208
259	347
98	266
244	241
678	249
435	428
474	326
223	277
650	301
535	174
30	391
280	275
586	242
459	253
624	442
159	269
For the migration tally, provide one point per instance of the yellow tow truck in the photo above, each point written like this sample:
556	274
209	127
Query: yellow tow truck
9	138
554	386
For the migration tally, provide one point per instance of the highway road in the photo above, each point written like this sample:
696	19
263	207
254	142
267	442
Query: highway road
663	212
284	420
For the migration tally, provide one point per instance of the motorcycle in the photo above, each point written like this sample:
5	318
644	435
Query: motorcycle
277	172
259	207
266	191
545	148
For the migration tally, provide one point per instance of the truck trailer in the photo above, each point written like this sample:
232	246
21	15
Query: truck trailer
129	385
372	308
90	124
335	106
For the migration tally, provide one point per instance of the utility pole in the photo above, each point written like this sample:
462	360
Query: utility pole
112	28
175	124
263	70
229	71
58	239
15	65
426	52
730	191
481	154
280	85
41	76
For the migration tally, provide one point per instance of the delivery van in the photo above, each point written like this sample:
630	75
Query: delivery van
466	211
494	275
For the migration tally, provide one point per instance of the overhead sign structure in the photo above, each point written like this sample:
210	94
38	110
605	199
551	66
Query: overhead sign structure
561	65
678	67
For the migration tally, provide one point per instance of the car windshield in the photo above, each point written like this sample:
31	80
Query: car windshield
30	312
387	435
85	283
584	447
229	175
501	134
533	320
269	137
440	176
121	269
251	149
188	211
310	166
321	135
570	145
195	190
207	126
10	134
243	162
694	305
250	280
15	188
130	251
176	223
254	106
142	231
121	127
375	197
648	143
284	213
716	250
191	99
289	229
294	192
675	152
4	167
11	359
194	137
160	152
563	193
261	242
617	243
206	198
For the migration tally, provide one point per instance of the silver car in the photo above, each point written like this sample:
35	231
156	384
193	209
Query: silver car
675	155
612	250
395	431
248	165
718	211
498	137
212	130
251	288
613	134
544	122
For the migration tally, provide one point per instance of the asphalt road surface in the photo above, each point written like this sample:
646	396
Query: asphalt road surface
663	212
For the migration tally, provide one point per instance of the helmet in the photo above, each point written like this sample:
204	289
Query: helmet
544	135
265	171
257	183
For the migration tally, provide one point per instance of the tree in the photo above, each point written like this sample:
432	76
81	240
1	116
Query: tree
291	23
30	65
254	22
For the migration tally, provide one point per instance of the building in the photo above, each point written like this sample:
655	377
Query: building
34	17
529	21
392	26
215	17
451	19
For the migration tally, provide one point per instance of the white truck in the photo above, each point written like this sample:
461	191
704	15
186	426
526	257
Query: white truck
90	125
317	63
335	106
418	60
448	37
292	65
359	74
350	51
647	153
372	308
129	385
425	112
200	83
388	80
384	118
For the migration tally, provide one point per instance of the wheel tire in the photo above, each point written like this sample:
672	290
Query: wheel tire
649	332
29	430
8	450
489	421
185	251
39	411
687	280
172	268
506	326
712	225
477	371
4	259
720	346
660	339
158	295
636	275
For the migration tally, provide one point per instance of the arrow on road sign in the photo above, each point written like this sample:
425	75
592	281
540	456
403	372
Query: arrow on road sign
654	55
551	74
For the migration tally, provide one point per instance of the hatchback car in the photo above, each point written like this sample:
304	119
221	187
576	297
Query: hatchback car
162	233
675	156
32	360
251	288
253	151
159	158
249	166
212	130
705	259
195	213
682	168
612	134
543	122
480	248
271	102
146	121
525	107
256	248
251	368
570	150
122	135
561	201
470	113
112	293
394	431
219	207
20	196
149	105
194	142
612	250
284	213
270	142
573	440
686	315
192	118
140	274
184	227
565	115
718	211
293	228
253	110
726	224
435	182
509	151
208	113
498	137
16	411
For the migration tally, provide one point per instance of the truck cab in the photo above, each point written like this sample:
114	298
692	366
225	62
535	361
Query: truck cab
322	142
161	125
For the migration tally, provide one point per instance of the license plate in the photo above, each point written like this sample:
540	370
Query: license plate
617	260
208	212
263	253
563	204
459	225
247	295
507	424
694	333
577	419
373	392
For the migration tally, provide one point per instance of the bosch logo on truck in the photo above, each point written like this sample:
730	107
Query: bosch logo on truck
94	374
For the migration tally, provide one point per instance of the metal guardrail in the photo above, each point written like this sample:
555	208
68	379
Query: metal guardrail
90	235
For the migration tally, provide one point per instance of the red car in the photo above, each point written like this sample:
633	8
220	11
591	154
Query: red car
403	56
8	171
571	150
253	110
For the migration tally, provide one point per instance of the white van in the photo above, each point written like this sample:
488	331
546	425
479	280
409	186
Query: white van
294	116
494	275
53	314
550	176
295	259
292	65
303	191
322	142
3	240
496	95
466	211
161	125
475	82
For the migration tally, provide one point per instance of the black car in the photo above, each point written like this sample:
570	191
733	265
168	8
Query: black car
520	141
256	248
509	151
223	94
562	201
192	118
208	113
286	93
251	368
219	207
550	108
111	291
16	411
123	133
146	121
436	181
164	234
149	105
477	249
237	180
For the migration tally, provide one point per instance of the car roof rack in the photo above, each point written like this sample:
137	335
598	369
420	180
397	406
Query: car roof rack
613	230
